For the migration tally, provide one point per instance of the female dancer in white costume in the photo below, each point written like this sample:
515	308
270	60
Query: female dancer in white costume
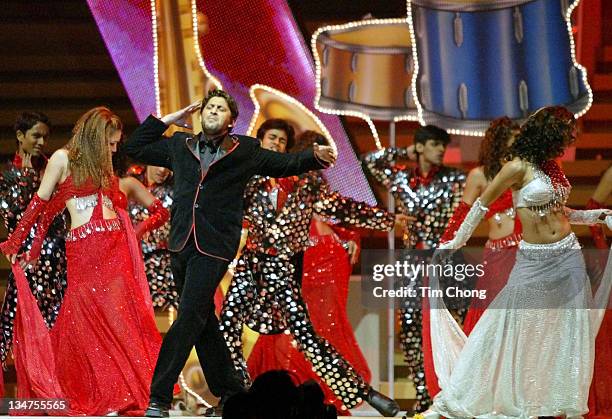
531	353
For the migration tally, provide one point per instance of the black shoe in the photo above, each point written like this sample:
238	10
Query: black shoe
157	410
385	406
216	411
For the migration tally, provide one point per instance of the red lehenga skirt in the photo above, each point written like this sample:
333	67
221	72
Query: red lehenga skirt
325	286
100	354
600	395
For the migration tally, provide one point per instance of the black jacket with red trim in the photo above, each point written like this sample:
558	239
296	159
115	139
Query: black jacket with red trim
211	203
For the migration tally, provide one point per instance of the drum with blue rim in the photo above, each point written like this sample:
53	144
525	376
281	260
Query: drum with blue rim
482	59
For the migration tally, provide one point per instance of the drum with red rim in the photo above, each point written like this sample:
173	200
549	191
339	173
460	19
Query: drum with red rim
367	67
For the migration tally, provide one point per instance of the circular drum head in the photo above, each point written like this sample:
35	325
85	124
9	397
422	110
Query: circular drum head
373	38
468	5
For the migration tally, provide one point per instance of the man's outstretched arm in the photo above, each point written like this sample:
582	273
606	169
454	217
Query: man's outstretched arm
381	163
270	163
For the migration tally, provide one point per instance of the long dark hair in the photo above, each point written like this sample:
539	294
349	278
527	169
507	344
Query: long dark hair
545	135
494	148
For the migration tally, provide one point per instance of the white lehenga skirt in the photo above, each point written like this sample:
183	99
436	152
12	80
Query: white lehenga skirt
531	353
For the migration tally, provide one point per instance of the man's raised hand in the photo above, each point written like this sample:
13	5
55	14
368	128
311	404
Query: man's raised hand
181	117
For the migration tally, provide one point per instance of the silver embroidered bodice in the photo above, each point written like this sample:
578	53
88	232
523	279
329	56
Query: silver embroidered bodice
540	195
90	201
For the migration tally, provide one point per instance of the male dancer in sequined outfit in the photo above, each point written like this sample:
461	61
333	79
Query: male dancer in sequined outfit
19	180
265	293
154	245
430	193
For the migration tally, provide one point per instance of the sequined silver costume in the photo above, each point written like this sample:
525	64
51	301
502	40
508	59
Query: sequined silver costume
48	278
432	201
265	293
155	251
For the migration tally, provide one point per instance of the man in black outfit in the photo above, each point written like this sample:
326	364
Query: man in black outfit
211	171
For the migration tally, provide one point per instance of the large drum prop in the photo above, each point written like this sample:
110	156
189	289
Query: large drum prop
367	67
482	59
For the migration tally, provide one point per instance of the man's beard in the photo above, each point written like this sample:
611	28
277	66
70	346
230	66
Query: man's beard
212	128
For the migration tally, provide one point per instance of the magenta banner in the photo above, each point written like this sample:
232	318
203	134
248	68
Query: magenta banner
247	43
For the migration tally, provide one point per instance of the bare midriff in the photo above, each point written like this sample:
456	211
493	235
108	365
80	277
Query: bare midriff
80	217
501	229
550	228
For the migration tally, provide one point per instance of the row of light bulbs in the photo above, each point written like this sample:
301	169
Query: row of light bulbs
420	114
350	25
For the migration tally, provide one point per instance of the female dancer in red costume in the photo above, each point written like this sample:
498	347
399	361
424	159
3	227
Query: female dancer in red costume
504	232
600	396
325	283
100	354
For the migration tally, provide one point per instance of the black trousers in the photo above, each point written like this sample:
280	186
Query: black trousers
197	277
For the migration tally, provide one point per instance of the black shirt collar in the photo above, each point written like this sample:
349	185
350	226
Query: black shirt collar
212	142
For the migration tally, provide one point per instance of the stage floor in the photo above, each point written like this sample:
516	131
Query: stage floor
362	412
191	417
355	414
400	415
186	417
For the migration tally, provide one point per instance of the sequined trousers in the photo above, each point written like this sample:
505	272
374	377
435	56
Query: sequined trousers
265	295
531	353
325	288
47	282
48	278
163	289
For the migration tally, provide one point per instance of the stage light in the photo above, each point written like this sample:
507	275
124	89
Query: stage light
323	130
155	58
196	45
